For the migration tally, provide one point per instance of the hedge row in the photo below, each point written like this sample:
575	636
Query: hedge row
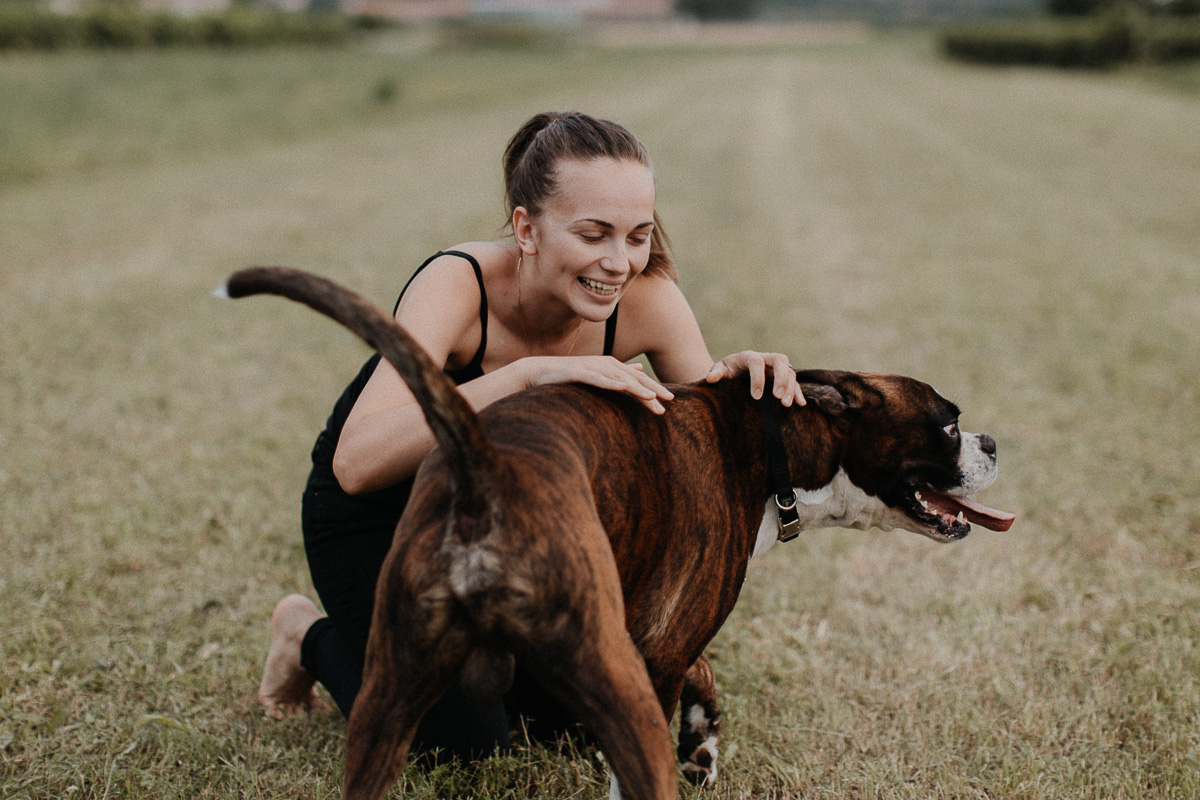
1176	42
1093	42
119	26
1085	8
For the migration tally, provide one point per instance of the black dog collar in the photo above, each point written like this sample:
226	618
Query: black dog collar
778	472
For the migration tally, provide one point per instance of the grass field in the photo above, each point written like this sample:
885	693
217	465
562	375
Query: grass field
1026	241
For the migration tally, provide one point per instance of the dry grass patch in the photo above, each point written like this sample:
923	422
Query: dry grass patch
1024	241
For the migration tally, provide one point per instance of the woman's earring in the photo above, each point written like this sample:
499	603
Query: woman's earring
520	258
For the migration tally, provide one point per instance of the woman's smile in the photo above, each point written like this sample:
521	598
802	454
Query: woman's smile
602	289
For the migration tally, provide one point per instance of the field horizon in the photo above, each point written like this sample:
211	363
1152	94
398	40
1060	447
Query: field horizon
1023	240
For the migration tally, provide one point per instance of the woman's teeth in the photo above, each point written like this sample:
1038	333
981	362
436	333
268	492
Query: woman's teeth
598	288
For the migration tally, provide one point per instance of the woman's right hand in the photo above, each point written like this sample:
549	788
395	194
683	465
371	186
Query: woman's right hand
604	372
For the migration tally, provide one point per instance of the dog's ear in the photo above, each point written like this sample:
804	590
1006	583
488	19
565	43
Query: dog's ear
825	398
832	392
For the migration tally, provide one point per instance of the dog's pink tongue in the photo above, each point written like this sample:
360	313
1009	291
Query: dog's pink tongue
977	513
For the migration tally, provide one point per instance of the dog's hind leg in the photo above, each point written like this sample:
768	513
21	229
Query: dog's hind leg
699	724
381	730
408	668
605	683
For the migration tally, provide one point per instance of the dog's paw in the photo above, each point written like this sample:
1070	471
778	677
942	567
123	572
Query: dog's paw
698	744
701	767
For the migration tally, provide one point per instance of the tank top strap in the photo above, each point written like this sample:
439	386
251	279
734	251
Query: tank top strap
610	330
475	368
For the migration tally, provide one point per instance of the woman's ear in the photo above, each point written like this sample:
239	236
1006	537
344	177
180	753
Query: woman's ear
522	225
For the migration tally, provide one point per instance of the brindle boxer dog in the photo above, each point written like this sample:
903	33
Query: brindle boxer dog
602	546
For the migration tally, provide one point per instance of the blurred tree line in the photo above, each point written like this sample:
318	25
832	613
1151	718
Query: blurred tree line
885	10
719	9
707	10
1089	8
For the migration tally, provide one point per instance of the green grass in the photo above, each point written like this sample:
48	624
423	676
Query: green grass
1025	241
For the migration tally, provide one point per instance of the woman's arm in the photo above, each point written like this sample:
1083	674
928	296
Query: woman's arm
385	436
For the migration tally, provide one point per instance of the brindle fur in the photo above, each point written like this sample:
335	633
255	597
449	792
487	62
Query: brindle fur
600	545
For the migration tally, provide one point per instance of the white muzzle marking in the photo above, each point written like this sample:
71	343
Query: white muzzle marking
978	468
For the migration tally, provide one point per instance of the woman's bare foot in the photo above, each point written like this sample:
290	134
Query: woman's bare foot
286	687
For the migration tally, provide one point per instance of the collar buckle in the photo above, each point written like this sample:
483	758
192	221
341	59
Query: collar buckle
778	471
789	518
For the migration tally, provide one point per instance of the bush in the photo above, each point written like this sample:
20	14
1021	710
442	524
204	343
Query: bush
1174	40
25	27
1062	43
506	33
719	9
1179	8
115	26
1089	43
1075	8
120	26
371	22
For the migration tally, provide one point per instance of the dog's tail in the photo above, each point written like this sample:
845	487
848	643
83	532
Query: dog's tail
464	445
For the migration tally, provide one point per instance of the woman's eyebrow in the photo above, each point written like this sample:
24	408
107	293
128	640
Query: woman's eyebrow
609	225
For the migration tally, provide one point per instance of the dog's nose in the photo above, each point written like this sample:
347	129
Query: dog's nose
987	444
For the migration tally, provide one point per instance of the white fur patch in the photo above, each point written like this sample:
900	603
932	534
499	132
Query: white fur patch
697	719
476	568
768	530
978	468
695	716
815	497
709	744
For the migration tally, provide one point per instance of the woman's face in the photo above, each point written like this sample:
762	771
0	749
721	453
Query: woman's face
592	237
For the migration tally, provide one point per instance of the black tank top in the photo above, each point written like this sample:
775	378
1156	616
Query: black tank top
388	503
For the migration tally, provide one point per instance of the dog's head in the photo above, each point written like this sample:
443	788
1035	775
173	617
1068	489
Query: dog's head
905	451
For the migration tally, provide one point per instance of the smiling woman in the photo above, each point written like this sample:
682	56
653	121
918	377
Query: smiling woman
500	316
596	235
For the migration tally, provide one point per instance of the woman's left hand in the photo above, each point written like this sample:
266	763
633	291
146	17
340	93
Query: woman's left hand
786	389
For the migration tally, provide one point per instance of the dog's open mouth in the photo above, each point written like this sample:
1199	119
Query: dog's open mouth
950	517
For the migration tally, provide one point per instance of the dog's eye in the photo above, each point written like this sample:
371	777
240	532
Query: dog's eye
951	430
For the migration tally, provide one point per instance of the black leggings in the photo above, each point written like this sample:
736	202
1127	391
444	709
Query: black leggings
345	554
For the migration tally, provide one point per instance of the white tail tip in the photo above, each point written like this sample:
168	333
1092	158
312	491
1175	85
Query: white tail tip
222	291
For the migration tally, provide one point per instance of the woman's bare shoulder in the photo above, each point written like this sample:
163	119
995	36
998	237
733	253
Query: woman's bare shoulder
451	278
657	321
649	297
492	256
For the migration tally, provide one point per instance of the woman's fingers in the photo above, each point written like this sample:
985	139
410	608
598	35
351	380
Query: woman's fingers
756	365
719	372
606	372
642	386
784	386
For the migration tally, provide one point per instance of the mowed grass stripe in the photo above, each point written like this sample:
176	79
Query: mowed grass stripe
951	296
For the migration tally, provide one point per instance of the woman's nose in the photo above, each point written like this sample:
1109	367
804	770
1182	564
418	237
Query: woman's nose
617	261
